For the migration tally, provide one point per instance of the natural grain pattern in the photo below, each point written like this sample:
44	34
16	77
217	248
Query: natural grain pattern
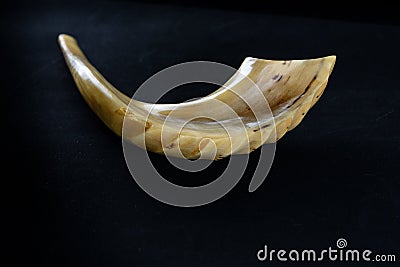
241	120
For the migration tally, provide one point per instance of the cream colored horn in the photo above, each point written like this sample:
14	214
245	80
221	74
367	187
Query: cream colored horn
290	87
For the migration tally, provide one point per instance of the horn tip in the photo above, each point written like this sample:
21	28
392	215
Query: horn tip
65	38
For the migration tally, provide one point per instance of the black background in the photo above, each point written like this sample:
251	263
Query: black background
75	203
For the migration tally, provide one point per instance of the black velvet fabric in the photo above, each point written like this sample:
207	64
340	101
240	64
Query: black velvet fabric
334	176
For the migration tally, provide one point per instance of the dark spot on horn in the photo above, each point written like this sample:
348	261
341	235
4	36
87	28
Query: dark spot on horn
147	126
287	79
305	90
165	112
311	82
264	126
277	77
170	146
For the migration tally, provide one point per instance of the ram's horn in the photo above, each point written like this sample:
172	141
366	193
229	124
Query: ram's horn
232	120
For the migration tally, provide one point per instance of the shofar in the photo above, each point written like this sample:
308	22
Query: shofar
235	119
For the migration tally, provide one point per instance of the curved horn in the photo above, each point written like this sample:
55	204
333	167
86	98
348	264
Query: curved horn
290	87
